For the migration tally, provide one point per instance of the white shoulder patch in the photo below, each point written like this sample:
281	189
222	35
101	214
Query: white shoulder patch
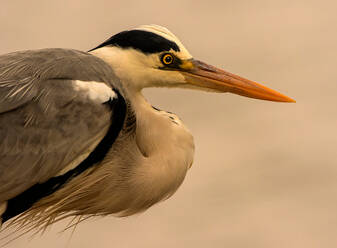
96	91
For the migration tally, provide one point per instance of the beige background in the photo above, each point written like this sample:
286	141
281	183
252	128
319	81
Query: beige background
265	174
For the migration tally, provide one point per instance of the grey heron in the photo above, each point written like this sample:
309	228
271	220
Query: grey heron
78	138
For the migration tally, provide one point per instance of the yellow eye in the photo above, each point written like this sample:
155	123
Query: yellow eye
167	59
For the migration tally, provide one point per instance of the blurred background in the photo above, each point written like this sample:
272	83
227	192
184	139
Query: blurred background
265	174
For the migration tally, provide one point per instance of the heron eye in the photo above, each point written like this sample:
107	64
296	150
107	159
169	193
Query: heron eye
167	59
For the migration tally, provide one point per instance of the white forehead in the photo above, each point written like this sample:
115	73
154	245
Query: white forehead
167	34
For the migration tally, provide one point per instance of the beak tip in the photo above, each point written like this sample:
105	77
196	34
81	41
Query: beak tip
288	100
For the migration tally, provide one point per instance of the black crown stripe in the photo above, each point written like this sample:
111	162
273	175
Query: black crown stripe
146	42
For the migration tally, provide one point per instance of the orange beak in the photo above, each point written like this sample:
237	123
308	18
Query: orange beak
206	76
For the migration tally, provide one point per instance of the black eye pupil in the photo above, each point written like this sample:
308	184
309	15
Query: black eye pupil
168	59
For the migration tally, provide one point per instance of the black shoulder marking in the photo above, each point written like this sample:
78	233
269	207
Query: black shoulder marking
26	199
145	41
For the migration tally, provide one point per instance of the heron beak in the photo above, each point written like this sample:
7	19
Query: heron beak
206	76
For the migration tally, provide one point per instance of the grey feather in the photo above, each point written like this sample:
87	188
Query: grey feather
43	127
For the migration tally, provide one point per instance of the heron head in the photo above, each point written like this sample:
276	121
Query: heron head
152	56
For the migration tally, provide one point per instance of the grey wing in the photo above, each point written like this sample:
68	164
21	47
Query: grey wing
52	114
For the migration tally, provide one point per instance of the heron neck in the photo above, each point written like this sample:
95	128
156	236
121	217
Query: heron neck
138	101
147	122
166	145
